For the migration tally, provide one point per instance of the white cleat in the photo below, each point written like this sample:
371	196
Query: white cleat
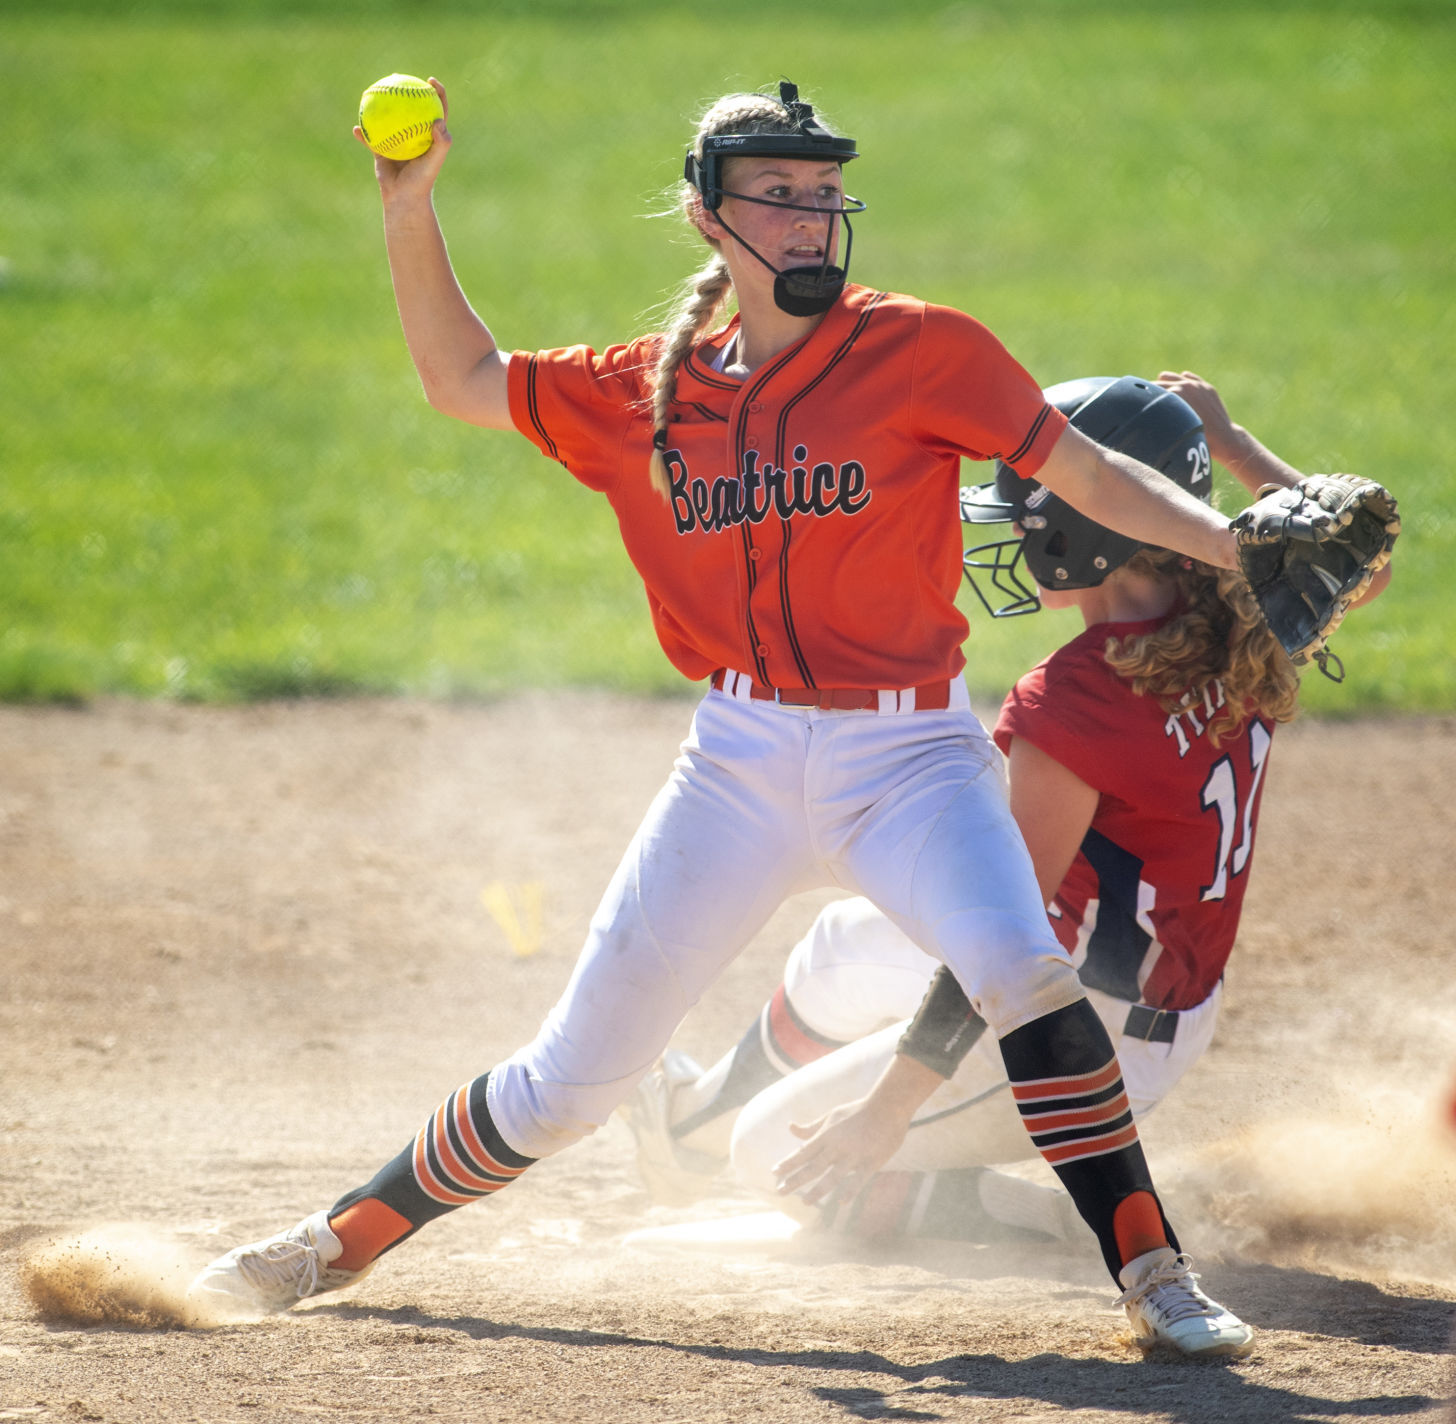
674	1175
274	1274
1165	1307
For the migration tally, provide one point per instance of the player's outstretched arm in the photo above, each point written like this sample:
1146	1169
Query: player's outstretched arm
1135	499
1251	463
460	366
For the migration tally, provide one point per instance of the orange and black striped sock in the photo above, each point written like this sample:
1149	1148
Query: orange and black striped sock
456	1158
367	1230
1068	1088
786	1040
1139	1226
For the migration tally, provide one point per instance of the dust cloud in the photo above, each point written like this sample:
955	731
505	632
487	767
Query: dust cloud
115	1274
1367	1184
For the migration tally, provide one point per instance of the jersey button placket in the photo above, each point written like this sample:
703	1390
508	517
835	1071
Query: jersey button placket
755	555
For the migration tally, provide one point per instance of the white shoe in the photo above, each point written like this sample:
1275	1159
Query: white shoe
273	1274
674	1175
1166	1307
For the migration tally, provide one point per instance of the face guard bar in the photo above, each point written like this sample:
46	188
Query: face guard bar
1001	561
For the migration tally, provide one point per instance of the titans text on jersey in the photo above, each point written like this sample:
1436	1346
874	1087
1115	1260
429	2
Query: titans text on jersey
1186	719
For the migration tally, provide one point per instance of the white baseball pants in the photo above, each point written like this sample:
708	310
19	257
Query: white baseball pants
907	809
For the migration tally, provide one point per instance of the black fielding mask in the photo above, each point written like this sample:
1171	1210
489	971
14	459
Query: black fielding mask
807	291
799	291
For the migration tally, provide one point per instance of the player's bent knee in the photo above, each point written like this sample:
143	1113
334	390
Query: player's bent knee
539	1118
1013	971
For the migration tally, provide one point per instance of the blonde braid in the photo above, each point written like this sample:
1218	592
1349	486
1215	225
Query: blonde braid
1220	635
703	297
706	293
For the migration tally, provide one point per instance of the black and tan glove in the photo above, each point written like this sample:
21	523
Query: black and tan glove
1310	550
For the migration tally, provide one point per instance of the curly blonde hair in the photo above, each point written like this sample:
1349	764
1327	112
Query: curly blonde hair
707	292
1218	636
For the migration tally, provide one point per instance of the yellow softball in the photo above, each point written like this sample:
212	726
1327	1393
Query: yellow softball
395	115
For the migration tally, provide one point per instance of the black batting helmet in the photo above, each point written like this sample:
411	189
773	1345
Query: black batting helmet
1061	547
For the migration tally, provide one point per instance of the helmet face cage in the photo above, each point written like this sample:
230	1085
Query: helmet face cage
1000	560
1060	547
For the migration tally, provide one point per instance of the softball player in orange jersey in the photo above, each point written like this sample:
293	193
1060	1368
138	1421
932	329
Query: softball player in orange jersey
787	485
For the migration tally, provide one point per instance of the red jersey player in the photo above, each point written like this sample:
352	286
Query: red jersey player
1137	755
786	484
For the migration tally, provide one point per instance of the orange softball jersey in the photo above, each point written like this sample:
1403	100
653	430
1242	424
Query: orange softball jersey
813	536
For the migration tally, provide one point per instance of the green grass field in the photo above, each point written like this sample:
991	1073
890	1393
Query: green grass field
218	478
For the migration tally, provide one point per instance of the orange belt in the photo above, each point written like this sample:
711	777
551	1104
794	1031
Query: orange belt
929	696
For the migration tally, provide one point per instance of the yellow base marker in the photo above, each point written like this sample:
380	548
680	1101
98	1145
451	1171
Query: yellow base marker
522	930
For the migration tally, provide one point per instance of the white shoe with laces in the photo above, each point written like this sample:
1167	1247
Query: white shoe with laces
1165	1307
274	1274
674	1175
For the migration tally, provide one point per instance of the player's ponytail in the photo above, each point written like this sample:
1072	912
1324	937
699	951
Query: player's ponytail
706	293
1219	635
703	297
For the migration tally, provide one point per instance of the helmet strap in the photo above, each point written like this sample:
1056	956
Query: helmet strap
803	291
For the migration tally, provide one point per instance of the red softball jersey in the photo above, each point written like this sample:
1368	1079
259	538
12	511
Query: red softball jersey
1150	907
813	536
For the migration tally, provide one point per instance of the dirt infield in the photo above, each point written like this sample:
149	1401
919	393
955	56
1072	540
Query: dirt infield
246	950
